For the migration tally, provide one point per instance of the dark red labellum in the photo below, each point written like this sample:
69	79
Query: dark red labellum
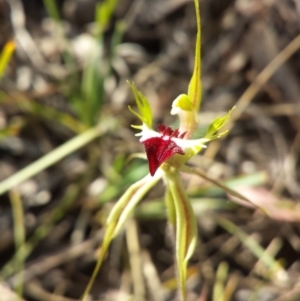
159	150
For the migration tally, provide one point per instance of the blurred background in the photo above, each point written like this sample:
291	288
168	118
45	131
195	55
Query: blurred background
65	140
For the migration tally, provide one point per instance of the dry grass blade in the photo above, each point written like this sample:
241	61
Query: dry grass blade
261	79
35	290
135	260
43	265
152	277
192	170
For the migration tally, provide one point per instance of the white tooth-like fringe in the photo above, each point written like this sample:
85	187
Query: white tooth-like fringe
190	144
147	134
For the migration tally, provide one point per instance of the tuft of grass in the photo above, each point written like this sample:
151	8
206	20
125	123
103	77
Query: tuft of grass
26	247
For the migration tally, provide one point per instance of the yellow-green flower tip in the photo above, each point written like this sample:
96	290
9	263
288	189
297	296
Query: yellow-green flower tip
195	85
145	113
216	125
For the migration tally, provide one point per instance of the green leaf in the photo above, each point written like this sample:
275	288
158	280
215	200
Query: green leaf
145	113
92	88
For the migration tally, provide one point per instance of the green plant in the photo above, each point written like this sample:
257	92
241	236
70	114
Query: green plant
86	93
167	152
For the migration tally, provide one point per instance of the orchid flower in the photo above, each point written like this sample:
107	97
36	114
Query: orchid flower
167	152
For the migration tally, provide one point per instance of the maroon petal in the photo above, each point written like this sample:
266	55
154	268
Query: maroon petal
159	150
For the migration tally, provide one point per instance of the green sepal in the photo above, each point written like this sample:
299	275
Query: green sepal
195	85
129	200
216	125
118	216
186	227
145	113
187	106
137	127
